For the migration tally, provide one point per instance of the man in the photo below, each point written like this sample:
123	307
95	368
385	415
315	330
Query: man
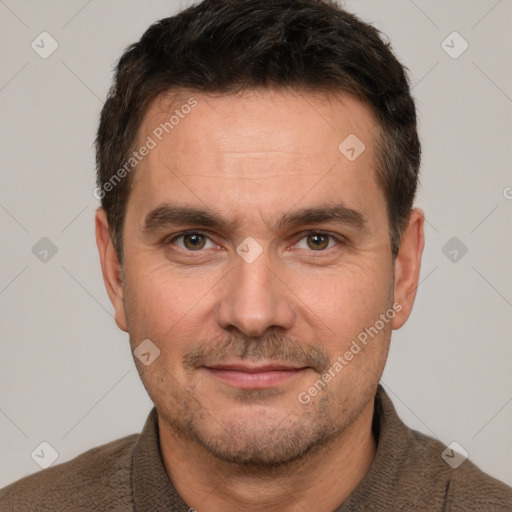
257	166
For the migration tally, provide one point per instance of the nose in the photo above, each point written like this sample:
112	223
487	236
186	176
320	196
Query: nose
255	298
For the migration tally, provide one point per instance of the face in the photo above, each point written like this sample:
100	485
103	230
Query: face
256	259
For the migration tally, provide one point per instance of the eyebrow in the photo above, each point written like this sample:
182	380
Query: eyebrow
338	213
168	215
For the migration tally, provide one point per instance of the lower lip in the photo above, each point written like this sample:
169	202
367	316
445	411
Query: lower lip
260	380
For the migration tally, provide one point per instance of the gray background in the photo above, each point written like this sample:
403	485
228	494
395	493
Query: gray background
67	376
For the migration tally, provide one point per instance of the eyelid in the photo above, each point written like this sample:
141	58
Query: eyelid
172	238
340	239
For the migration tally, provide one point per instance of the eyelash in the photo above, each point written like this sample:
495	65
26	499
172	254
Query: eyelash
339	239
171	240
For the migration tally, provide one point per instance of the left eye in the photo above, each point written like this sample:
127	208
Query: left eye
316	242
193	241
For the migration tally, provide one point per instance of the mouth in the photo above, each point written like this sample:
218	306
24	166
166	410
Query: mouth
247	376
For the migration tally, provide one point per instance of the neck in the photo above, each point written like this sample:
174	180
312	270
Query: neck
322	481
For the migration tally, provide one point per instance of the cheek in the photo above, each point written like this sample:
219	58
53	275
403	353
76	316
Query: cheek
359	336
153	300
168	307
347	300
161	309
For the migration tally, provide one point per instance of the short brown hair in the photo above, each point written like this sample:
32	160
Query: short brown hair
226	46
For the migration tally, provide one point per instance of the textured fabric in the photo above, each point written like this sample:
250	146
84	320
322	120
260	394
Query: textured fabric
407	474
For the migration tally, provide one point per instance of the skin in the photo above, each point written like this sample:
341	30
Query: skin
251	158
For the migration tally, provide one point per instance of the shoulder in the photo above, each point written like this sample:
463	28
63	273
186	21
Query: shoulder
98	479
462	485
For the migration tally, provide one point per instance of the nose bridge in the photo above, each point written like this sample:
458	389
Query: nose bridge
254	299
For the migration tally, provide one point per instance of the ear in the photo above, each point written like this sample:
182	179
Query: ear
111	268
407	267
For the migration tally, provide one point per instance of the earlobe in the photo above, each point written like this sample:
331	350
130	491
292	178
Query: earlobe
111	268
407	266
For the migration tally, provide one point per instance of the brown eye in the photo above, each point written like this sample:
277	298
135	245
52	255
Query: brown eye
317	241
194	241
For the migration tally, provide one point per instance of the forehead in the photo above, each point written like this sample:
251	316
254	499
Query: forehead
257	118
268	148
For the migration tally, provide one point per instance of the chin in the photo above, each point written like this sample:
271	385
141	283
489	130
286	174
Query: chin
263	439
